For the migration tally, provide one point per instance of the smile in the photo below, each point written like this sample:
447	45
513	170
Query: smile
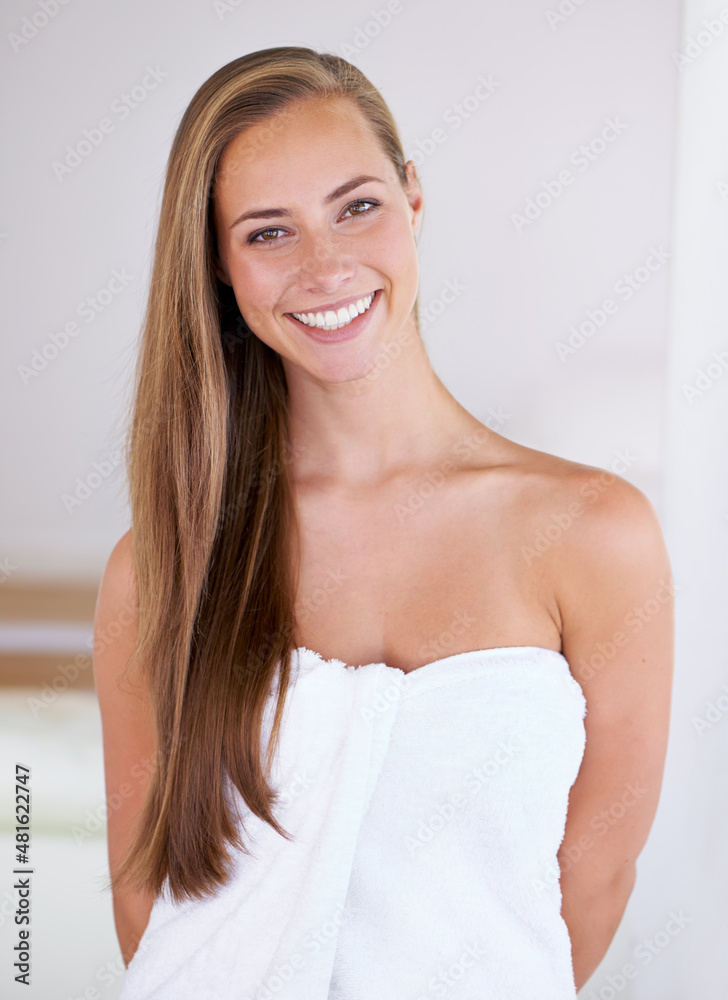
335	319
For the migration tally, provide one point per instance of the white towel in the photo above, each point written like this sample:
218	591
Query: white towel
426	809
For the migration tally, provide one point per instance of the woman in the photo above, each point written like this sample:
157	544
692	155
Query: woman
455	650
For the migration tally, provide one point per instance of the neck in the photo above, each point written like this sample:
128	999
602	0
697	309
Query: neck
363	431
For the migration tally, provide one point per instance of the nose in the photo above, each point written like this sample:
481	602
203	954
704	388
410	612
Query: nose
325	264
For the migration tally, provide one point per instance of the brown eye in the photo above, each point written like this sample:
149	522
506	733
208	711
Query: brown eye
363	201
253	238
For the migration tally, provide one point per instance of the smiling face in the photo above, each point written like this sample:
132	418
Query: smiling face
312	219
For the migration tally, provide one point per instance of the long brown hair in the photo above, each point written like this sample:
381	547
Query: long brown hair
212	513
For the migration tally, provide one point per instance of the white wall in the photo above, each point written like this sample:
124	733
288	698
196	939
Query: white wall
619	394
685	864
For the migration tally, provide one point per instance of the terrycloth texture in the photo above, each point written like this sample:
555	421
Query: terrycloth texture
427	810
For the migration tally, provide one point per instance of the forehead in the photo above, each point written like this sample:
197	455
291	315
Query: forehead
317	142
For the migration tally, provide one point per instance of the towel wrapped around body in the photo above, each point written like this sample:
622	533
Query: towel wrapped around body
426	810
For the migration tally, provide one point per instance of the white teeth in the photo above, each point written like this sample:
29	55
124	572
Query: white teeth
331	320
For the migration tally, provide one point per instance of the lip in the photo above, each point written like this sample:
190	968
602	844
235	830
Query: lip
345	332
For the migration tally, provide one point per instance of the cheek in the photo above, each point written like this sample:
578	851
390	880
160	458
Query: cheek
255	289
395	248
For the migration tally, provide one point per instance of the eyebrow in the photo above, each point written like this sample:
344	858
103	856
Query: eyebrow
268	213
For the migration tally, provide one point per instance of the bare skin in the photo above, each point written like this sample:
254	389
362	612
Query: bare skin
428	563
419	526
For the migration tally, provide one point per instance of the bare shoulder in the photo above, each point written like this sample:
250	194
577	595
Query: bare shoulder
579	509
118	579
595	514
115	617
583	529
597	539
122	695
119	571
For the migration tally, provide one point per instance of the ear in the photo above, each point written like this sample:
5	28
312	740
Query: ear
414	194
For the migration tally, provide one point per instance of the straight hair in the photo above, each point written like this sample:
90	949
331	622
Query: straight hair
213	523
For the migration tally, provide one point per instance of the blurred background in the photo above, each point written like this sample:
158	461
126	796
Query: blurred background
574	160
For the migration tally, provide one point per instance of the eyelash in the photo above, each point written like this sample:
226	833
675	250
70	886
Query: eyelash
253	238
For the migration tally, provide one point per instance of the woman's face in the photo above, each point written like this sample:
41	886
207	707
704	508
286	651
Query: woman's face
300	231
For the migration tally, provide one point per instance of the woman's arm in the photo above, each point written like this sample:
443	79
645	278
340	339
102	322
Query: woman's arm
128	731
614	591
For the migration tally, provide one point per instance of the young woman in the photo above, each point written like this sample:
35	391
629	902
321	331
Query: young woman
386	710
